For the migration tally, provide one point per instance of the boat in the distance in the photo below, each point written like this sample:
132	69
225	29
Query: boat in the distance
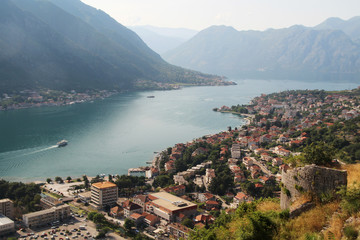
62	143
150	96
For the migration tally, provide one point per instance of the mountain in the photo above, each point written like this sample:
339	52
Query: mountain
297	52
162	40
351	27
65	44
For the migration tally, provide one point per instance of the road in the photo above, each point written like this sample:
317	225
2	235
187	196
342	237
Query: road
262	167
224	205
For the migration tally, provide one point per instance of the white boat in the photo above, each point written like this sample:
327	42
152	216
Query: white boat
62	143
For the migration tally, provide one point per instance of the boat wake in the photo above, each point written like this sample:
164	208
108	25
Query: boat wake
16	159
41	150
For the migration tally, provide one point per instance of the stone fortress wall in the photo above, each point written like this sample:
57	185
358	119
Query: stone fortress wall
310	178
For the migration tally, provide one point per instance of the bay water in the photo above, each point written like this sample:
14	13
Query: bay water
111	135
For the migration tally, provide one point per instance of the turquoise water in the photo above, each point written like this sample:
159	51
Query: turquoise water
123	131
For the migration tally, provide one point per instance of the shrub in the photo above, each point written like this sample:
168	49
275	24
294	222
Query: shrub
350	232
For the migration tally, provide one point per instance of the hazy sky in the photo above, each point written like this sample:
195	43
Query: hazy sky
241	14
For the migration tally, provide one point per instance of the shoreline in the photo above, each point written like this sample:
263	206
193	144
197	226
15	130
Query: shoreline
37	101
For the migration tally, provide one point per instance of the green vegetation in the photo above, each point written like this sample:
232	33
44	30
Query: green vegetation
26	197
130	184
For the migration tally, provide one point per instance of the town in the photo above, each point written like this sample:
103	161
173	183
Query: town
30	98
190	185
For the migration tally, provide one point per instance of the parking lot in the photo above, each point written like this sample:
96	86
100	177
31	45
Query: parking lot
74	228
62	188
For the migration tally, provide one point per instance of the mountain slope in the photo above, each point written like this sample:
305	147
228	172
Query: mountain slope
32	53
68	45
295	52
162	40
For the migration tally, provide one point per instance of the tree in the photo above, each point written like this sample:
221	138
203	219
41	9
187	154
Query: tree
59	180
68	178
188	223
163	181
319	153
91	215
129	224
48	180
86	182
98	218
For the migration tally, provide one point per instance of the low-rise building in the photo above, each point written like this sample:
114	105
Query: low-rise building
178	231
7	225
130	208
49	202
104	194
178	190
169	207
85	197
40	218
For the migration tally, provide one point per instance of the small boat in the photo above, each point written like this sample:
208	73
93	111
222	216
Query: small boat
150	96
62	143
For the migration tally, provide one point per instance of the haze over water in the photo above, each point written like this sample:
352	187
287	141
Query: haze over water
123	131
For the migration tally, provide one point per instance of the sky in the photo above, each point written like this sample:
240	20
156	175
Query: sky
240	14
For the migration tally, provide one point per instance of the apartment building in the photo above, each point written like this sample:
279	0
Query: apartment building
103	194
40	218
7	208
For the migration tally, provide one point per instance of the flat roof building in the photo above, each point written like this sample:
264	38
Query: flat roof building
104	194
7	208
7	225
169	207
40	218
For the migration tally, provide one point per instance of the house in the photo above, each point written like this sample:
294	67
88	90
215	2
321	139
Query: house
265	180
284	167
209	175
178	231
178	190
137	218
150	219
277	161
199	151
130	208
140	200
204	218
242	197
170	166
236	151
203	197
211	205
116	212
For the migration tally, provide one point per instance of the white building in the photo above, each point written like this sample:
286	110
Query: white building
46	216
6	225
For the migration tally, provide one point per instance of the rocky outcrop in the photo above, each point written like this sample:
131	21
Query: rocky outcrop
311	178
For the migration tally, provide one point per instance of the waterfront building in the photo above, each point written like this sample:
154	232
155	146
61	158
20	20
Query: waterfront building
47	216
7	225
7	208
104	194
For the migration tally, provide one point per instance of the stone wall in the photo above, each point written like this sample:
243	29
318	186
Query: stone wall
311	178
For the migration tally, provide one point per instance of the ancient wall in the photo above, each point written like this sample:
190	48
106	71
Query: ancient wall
310	178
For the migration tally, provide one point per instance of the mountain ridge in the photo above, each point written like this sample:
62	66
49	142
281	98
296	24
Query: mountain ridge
296	52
